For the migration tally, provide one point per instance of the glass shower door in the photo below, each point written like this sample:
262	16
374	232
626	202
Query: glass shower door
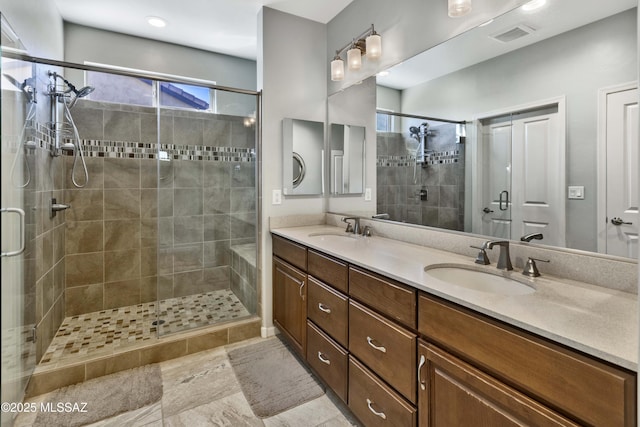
207	207
18	223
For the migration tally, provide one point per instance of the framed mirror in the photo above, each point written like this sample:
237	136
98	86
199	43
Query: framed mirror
503	79
347	145
303	154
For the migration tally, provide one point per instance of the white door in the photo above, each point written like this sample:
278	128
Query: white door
523	175
622	173
496	180
538	179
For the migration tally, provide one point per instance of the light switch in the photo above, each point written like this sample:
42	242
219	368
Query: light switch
576	192
367	194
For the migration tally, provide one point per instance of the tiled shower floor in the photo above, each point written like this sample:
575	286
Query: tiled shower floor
104	331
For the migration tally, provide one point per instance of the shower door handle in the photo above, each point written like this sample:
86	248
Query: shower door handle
20	213
505	200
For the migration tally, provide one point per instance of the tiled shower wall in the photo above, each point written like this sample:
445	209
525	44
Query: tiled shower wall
439	180
131	240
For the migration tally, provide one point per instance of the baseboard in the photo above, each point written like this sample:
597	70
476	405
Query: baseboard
267	332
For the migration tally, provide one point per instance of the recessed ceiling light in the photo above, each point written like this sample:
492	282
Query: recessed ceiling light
533	5
155	21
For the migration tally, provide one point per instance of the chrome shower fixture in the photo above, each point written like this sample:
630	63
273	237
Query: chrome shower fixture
27	87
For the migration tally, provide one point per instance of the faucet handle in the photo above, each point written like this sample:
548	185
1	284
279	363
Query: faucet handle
349	227
531	269
366	231
482	257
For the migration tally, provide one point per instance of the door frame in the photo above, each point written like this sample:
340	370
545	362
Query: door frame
601	186
477	172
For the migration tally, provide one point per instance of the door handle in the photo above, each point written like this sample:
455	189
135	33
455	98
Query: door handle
619	221
20	213
487	210
300	290
505	201
423	384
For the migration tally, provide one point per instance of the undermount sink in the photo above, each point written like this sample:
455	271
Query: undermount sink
477	280
328	236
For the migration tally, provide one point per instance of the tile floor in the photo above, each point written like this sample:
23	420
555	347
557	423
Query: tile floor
107	330
202	390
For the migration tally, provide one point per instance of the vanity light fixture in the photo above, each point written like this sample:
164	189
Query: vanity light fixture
156	21
368	43
459	8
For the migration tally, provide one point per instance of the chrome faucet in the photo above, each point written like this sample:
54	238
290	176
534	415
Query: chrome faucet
504	260
355	228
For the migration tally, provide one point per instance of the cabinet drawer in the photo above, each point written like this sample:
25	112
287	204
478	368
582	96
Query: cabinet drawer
289	251
388	349
593	392
375	403
329	309
328	359
329	270
396	300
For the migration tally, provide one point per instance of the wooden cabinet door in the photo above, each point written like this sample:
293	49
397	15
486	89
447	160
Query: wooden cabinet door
289	303
452	393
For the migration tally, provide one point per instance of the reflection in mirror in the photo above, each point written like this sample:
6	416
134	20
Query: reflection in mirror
347	159
420	170
303	153
513	94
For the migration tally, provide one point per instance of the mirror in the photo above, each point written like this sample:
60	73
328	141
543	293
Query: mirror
303	154
495	78
347	144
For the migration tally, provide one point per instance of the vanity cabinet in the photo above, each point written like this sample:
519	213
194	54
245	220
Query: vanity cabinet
585	389
454	393
290	292
401	357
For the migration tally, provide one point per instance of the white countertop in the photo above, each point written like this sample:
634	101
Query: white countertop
595	320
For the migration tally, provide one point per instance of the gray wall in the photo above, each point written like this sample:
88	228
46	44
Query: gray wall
106	47
293	85
38	24
575	64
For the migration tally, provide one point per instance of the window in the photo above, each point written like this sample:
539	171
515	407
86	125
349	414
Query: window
142	91
384	122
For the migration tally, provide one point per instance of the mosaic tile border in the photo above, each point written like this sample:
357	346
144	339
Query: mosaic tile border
435	158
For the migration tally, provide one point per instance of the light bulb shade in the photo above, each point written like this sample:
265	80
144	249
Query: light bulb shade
459	7
354	58
374	46
337	69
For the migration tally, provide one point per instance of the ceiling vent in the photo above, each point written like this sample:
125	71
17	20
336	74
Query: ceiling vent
513	33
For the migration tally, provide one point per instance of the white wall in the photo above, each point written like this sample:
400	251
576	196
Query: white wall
292	73
575	64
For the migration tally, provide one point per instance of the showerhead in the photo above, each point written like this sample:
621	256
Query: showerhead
26	87
85	91
414	130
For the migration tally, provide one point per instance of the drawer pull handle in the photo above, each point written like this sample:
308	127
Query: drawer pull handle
379	348
323	359
380	414
323	308
423	360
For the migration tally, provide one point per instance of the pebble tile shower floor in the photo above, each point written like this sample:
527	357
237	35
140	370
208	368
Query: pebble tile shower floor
106	330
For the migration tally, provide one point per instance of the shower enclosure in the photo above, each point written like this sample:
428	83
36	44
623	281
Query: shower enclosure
129	211
420	170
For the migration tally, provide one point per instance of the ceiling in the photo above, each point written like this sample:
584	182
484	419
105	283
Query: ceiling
223	26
